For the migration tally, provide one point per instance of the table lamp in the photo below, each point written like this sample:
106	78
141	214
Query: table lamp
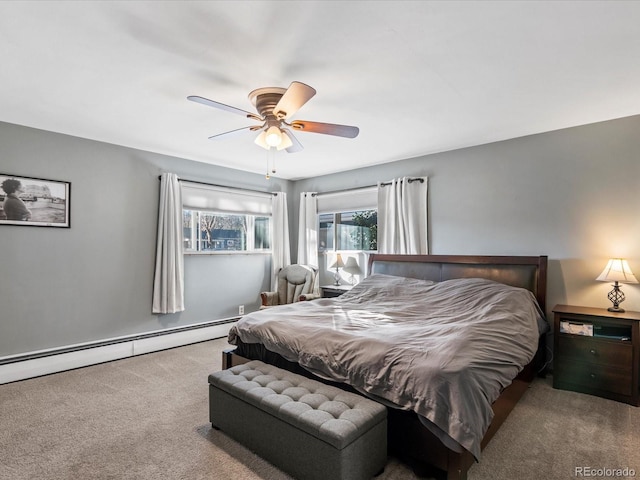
617	270
352	268
338	264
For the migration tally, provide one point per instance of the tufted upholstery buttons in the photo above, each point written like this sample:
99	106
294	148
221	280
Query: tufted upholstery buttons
328	413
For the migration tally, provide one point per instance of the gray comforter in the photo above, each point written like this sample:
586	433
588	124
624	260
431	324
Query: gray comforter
444	350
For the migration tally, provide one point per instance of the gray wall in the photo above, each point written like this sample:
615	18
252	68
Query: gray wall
93	281
572	194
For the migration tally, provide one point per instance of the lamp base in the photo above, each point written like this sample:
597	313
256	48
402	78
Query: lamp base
616	296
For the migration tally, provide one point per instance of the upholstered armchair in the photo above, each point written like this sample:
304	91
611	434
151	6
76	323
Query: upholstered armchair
294	283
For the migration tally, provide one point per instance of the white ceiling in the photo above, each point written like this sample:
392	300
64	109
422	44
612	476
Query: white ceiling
417	77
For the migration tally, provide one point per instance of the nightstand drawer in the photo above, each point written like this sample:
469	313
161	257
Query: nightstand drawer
590	349
592	376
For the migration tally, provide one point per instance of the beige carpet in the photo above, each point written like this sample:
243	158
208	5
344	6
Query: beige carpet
147	418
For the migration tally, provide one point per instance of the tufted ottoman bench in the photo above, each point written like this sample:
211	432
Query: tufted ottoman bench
304	427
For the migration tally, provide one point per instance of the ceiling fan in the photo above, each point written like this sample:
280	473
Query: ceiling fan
275	106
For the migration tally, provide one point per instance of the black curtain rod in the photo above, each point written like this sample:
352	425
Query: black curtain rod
343	190
222	186
410	180
383	184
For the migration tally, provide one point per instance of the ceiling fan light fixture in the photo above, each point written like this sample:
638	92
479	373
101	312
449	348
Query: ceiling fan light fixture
261	140
286	141
273	136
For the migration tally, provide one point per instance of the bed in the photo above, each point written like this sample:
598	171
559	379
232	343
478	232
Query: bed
451	377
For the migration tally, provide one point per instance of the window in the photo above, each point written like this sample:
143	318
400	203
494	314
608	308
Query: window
354	230
348	220
221	232
225	220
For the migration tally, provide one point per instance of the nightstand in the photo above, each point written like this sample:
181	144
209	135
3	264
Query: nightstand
597	352
329	291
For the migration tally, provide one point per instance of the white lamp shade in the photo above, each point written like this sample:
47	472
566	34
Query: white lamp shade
617	270
338	262
273	137
262	140
285	143
352	266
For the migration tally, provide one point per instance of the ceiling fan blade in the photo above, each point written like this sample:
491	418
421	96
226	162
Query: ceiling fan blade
326	128
296	145
295	97
233	133
222	106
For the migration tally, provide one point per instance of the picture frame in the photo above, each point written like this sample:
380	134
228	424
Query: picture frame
34	202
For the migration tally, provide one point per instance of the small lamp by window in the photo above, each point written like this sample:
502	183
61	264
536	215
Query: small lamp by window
352	268
338	264
617	270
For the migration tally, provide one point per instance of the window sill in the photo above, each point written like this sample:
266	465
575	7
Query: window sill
228	252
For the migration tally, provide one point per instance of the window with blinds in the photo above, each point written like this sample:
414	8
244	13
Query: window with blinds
221	220
348	220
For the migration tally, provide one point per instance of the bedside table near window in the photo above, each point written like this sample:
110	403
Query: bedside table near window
597	352
330	291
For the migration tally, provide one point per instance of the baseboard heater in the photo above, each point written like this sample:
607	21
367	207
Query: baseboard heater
44	362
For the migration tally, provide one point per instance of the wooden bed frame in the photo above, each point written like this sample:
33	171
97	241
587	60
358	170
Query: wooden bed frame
407	436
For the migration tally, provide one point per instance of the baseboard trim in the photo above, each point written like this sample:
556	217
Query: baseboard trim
35	364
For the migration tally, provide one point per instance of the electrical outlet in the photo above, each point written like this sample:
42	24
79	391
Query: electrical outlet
241	310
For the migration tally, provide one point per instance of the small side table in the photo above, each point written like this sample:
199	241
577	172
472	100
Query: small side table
603	359
330	291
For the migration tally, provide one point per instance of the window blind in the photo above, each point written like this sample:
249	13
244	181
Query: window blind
349	200
197	196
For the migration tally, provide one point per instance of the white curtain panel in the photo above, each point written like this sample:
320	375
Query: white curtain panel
281	252
168	283
308	230
402	216
308	233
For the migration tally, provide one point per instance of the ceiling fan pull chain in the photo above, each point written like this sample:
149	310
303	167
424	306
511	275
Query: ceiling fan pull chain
271	162
267	176
274	152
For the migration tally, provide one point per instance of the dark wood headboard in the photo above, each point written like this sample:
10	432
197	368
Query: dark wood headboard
518	271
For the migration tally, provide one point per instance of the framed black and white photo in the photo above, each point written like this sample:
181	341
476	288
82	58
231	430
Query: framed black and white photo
34	202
